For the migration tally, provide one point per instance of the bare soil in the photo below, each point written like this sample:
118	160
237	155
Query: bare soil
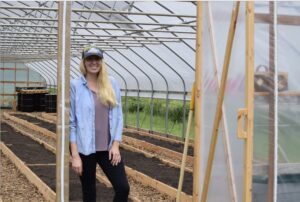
152	167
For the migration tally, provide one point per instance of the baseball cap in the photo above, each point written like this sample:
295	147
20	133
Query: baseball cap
92	50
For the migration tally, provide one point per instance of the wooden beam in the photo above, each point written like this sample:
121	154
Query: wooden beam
156	136
292	20
149	155
272	114
27	124
63	101
156	149
281	94
20	130
221	93
40	164
43	188
186	144
198	103
249	101
162	187
49	117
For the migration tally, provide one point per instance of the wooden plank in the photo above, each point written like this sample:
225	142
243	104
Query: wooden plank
34	91
16	127
165	161
292	20
30	125
186	144
281	94
198	103
40	117
249	101
272	125
40	164
283	169
49	117
156	149
43	188
156	136
63	102
221	93
162	187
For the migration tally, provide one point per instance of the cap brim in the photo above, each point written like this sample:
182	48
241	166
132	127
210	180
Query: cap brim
92	54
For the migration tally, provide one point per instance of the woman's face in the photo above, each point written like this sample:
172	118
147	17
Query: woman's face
92	64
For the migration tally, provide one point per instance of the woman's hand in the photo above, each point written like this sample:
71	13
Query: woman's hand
114	153
77	164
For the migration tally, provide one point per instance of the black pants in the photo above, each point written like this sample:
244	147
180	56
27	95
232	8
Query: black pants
115	174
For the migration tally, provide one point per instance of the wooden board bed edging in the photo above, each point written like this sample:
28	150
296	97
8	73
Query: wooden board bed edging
144	179
46	191
52	119
154	148
127	142
101	178
30	125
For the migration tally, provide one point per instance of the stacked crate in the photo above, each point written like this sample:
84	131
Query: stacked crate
31	99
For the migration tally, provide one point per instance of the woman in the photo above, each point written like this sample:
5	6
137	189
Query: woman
96	125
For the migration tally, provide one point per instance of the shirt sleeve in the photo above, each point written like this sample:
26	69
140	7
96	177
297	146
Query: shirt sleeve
119	129
72	113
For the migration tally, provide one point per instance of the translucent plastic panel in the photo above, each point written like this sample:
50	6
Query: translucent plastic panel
34	76
20	65
1	88
1	74
9	88
9	65
288	184
21	75
9	75
227	173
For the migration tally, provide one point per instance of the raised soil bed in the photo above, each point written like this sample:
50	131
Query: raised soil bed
37	157
152	167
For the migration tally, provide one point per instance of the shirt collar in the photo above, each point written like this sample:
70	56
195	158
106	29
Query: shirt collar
83	80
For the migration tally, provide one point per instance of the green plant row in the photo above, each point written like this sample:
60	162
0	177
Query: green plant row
175	113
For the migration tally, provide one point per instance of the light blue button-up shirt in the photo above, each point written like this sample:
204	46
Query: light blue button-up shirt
82	116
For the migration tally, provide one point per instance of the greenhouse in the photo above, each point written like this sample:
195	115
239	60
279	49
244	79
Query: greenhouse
206	94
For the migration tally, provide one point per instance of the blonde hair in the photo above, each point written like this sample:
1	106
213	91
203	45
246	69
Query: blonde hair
105	91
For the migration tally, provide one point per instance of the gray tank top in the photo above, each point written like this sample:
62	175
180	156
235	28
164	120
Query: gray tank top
102	134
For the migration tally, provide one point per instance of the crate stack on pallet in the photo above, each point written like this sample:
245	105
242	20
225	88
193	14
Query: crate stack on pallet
35	99
50	101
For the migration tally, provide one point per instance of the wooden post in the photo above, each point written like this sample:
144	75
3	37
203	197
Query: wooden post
271	151
249	100
186	144
198	104
63	101
221	93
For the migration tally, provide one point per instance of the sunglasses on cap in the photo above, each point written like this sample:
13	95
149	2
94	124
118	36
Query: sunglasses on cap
92	50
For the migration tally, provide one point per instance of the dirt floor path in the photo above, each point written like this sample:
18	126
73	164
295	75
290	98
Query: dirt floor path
14	185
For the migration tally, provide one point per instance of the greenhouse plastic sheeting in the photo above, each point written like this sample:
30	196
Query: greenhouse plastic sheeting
286	43
167	68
